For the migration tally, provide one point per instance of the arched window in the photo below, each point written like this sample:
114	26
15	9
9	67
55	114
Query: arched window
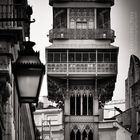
103	18
90	104
78	104
78	135
0	134
60	18
84	135
84	104
72	135
90	135
72	105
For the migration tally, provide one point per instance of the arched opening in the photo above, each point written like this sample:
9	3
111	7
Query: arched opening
1	134
78	135
84	135
90	105
90	135
72	105
72	135
84	104
78	104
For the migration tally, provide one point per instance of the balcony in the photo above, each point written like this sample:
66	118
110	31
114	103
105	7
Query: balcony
11	25
80	62
82	69
87	34
98	1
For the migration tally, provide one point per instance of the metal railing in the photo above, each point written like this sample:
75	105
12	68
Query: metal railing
85	68
64	33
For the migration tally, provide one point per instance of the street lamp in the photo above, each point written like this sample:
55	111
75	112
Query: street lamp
28	73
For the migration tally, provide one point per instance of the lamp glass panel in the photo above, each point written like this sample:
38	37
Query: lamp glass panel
28	83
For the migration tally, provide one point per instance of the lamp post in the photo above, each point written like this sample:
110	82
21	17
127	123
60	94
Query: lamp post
28	73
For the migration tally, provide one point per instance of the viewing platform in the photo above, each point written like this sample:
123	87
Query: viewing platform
87	34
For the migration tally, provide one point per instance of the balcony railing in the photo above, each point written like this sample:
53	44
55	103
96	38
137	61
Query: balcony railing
9	15
82	68
100	1
11	18
106	34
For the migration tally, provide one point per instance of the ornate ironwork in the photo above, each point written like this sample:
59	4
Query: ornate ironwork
82	14
82	126
85	68
56	91
97	34
105	89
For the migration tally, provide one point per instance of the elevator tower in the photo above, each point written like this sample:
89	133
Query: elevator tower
81	63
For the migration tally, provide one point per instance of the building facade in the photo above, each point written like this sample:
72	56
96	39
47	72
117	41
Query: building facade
81	63
49	122
133	97
112	130
130	118
16	120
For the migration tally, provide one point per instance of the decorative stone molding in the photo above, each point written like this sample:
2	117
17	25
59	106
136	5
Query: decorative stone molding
5	90
5	70
82	126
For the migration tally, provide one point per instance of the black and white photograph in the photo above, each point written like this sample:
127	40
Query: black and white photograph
69	70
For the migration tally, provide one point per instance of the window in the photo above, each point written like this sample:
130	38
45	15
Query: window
72	105
82	56
60	18
50	57
106	57
81	103
84	135
100	57
0	133
78	135
78	57
113	57
71	57
84	104
92	57
90	135
85	57
81	18
56	57
90	105
81	25
103	18
63	57
78	105
72	135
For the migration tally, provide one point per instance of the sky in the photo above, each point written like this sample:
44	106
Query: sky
125	20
